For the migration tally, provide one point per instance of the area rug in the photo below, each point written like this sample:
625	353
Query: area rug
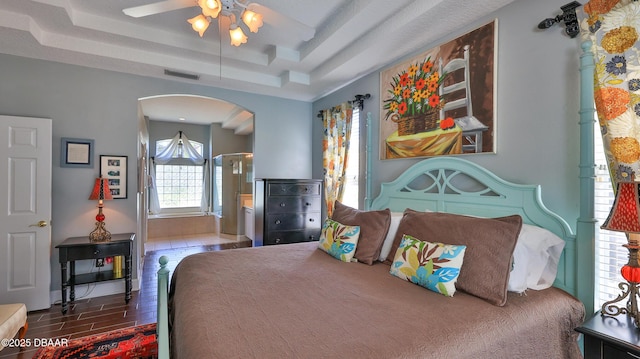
128	343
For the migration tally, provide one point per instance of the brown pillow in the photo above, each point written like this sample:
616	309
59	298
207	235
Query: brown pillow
490	243
374	226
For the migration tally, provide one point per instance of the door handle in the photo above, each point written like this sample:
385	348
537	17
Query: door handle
39	224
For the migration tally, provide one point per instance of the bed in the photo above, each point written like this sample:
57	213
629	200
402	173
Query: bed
298	301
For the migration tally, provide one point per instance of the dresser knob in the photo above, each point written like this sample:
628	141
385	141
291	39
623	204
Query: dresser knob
278	240
95	253
311	220
307	204
277	221
282	204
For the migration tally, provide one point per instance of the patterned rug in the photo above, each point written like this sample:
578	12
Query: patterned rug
134	342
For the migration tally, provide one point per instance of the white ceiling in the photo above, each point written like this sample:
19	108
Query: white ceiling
352	38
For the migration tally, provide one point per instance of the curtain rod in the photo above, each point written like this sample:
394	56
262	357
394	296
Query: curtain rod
358	101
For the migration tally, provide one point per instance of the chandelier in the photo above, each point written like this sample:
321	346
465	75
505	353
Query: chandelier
234	10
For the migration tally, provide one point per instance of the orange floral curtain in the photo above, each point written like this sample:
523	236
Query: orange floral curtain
335	147
613	26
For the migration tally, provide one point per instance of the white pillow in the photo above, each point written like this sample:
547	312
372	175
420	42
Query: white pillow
535	259
391	234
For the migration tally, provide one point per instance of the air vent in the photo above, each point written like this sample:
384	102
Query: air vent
184	75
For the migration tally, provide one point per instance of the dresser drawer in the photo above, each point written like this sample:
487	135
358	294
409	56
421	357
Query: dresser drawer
285	237
288	221
283	204
293	189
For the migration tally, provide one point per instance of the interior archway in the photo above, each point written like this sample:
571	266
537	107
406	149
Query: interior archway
224	120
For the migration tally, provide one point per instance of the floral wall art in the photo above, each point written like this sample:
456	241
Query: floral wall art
442	101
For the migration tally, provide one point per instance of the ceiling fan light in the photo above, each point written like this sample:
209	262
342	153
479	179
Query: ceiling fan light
252	19
199	24
237	35
210	7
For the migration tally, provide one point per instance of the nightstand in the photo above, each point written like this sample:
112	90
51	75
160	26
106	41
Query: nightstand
608	337
79	248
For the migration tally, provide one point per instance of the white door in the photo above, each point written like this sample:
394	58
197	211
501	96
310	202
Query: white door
25	200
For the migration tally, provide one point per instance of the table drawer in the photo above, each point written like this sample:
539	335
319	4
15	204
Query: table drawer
613	352
96	251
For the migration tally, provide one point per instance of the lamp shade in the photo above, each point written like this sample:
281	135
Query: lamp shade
237	35
210	7
625	213
252	19
200	24
101	190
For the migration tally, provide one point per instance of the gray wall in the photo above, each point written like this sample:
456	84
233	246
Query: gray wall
102	105
537	108
225	141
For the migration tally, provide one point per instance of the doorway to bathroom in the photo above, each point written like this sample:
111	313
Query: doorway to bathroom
177	206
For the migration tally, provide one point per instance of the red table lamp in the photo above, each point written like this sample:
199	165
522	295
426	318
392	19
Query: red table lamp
100	193
625	217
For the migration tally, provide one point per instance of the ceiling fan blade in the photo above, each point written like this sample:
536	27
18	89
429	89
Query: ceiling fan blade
158	7
279	20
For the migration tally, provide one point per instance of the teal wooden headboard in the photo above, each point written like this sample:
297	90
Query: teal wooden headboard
579	248
455	185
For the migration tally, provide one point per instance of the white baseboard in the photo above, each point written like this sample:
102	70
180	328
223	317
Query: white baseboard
92	290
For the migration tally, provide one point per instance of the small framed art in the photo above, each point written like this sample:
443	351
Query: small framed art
76	152
114	168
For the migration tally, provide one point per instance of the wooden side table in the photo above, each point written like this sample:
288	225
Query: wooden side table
80	248
608	337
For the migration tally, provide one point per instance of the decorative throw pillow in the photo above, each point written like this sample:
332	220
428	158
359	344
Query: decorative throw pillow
339	240
490	244
435	266
373	224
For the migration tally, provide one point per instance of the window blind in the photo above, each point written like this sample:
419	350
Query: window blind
351	190
610	254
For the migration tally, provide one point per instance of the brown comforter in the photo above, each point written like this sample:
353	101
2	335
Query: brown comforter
294	301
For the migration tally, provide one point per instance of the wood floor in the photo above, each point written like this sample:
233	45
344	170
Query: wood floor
102	314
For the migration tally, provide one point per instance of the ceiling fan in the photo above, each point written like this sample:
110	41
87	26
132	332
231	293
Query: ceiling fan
251	14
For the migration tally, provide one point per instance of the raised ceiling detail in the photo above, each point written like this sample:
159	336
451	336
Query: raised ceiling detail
352	38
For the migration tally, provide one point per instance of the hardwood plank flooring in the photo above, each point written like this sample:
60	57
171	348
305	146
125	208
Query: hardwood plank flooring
102	314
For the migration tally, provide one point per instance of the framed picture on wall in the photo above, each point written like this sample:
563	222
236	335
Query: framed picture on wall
114	168
76	152
442	101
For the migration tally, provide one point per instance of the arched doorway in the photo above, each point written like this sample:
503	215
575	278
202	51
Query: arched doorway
223	127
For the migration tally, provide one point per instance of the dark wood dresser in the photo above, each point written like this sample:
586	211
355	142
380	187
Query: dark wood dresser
287	211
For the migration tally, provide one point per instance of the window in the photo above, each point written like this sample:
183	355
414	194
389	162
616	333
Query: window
352	184
179	183
610	254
